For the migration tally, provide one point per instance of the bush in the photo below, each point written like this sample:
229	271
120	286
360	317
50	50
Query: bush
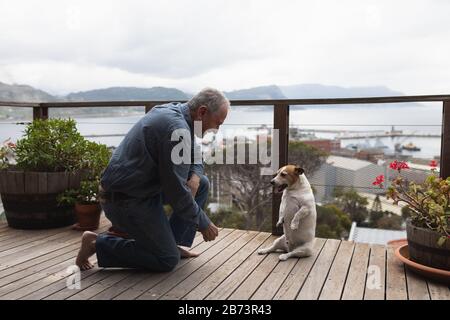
95	159
332	222
51	145
229	219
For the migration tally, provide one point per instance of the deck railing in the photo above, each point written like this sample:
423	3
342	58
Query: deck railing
280	121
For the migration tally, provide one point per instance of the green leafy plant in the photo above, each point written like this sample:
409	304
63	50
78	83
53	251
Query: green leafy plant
86	194
428	203
95	159
51	145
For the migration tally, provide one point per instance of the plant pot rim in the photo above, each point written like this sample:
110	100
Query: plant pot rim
402	253
87	203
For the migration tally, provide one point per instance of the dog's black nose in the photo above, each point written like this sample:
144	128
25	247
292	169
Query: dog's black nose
272	182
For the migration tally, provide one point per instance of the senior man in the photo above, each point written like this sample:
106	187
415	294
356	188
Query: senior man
142	175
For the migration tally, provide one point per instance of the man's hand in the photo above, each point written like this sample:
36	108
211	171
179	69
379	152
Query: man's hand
193	184
210	233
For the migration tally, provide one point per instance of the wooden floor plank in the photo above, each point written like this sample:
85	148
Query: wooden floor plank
104	280
69	254
229	285
96	278
117	288
37	281
316	278
34	263
356	279
417	286
248	287
438	291
224	271
32	245
334	285
150	281
376	277
295	280
275	279
196	277
395	277
29	254
179	275
110	277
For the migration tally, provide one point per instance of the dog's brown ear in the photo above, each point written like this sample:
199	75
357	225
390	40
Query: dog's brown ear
298	170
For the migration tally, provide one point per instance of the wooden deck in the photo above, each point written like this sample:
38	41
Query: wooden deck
33	265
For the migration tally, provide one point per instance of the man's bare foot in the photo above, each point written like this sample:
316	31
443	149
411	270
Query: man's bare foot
87	249
187	254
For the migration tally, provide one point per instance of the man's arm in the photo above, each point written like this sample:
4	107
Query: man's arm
206	227
173	178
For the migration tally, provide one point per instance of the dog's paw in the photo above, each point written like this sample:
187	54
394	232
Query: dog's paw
262	251
280	222
283	257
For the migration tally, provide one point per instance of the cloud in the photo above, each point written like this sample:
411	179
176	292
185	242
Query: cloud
64	46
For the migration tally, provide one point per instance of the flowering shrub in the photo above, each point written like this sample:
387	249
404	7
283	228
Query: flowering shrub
7	154
429	202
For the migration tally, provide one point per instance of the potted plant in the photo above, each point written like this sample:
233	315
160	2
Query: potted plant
85	198
46	161
428	225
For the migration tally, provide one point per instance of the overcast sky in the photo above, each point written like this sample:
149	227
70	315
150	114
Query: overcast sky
64	46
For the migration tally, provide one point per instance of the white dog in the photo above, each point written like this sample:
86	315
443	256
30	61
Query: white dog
297	214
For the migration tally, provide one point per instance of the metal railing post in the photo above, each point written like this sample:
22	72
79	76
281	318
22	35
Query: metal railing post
445	140
40	113
280	122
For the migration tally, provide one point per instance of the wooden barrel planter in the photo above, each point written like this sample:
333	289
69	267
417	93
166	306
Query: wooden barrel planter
423	247
29	198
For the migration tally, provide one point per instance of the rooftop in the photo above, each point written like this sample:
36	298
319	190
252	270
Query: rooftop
347	163
371	235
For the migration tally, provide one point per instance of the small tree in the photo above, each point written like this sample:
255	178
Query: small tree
351	203
332	222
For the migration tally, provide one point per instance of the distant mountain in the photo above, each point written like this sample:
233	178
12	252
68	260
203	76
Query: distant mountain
128	93
15	92
259	93
19	92
311	91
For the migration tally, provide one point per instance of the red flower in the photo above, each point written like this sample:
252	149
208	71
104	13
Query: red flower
396	165
402	165
11	144
379	181
393	165
433	164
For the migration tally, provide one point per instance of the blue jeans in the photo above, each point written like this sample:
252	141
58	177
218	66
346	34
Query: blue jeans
153	238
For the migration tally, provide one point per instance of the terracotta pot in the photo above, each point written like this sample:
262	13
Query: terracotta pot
88	216
423	247
397	243
439	275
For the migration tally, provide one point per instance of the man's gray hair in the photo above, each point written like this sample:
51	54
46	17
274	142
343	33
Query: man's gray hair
213	99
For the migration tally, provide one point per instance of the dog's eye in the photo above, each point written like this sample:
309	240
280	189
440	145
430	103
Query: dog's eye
283	174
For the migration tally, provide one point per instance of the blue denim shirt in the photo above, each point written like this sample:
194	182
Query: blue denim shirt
141	166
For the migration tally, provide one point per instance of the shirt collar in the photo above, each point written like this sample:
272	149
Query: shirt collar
187	115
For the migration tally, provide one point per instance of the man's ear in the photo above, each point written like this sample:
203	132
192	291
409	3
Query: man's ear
298	170
202	110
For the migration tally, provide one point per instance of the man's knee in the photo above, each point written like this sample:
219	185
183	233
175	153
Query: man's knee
168	263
